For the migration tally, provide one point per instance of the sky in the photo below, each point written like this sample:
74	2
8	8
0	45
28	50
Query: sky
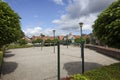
64	16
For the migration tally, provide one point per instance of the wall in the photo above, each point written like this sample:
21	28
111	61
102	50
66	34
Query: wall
115	53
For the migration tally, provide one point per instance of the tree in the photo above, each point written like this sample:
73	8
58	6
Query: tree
39	40
107	27
22	34
77	40
22	41
10	29
42	35
48	41
87	40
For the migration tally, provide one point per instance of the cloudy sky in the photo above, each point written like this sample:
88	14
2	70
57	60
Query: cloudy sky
43	16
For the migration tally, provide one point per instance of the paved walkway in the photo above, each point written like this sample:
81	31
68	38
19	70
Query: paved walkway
34	64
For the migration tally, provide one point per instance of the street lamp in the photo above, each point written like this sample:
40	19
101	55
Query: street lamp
81	24
67	41
54	39
82	47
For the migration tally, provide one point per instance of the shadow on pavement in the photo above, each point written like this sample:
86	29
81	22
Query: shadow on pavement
76	67
9	67
8	51
8	55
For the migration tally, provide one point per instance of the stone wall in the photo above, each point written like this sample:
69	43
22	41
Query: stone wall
115	53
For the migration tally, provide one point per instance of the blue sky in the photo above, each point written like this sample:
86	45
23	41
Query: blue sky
42	16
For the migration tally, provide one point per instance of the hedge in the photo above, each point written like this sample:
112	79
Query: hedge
1	61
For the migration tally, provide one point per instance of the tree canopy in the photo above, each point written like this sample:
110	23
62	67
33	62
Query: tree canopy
37	41
107	27
10	29
22	41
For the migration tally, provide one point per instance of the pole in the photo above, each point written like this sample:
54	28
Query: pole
81	31
41	45
81	40
54	39
82	52
82	48
58	60
54	42
67	41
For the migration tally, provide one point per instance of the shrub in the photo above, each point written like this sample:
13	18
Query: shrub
22	42
12	46
78	77
1	56
1	60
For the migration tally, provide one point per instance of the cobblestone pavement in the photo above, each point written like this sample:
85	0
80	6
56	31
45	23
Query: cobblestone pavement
36	64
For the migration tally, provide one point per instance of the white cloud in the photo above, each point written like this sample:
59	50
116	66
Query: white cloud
72	24
33	31
85	11
36	31
78	8
59	2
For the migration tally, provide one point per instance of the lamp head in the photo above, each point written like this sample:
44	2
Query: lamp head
53	30
81	24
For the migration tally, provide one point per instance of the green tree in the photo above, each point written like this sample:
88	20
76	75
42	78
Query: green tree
77	40
107	27
10	29
34	41
22	34
87	40
48	41
22	42
39	41
56	40
42	35
69	41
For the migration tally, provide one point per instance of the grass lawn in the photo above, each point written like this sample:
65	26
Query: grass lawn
111	72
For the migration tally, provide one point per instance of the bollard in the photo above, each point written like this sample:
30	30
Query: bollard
42	46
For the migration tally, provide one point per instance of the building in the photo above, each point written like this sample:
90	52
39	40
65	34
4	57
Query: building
27	39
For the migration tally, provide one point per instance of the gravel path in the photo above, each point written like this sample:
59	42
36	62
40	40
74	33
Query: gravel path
34	64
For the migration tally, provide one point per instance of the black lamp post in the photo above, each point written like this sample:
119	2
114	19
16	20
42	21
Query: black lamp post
67	41
81	24
54	39
82	47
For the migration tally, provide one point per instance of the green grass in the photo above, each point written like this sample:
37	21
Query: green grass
111	72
